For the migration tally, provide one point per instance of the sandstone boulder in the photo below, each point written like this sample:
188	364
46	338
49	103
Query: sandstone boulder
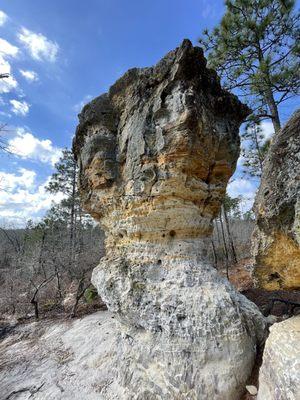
155	155
279	376
276	240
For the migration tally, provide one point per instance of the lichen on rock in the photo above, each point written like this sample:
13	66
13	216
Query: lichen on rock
276	239
155	156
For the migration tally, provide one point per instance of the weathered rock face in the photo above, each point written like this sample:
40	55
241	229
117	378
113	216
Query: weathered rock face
277	206
60	360
279	376
155	156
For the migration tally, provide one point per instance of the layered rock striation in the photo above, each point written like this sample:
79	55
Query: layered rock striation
155	156
276	240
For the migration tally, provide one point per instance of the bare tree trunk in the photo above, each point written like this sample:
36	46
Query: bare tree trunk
12	297
268	93
34	302
273	108
229	235
219	238
214	254
80	292
74	308
225	247
41	260
58	283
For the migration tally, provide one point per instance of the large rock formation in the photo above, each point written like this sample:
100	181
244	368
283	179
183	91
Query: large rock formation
277	207
155	156
279	376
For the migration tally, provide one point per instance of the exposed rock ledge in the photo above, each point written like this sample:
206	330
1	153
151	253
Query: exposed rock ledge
155	156
276	243
63	360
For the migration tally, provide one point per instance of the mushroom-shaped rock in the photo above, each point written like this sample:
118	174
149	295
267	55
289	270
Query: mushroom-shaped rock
155	156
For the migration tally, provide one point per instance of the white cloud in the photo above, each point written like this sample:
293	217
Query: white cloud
3	18
30	76
9	182
8	49
27	146
39	47
241	186
244	188
241	160
21	198
19	107
267	129
6	84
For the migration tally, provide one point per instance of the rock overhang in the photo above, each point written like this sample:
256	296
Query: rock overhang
156	152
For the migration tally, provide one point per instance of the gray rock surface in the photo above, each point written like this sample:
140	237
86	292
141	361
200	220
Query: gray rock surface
279	376
60	360
276	240
155	156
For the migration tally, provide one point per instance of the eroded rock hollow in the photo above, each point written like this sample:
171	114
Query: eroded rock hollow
155	156
276	239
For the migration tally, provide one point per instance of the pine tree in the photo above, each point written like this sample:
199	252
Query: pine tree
255	49
254	150
232	206
64	181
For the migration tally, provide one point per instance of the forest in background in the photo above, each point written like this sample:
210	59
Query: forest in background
46	266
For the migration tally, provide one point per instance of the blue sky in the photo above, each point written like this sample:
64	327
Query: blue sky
62	53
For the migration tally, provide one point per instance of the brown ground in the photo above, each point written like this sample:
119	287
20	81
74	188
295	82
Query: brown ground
240	277
239	274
